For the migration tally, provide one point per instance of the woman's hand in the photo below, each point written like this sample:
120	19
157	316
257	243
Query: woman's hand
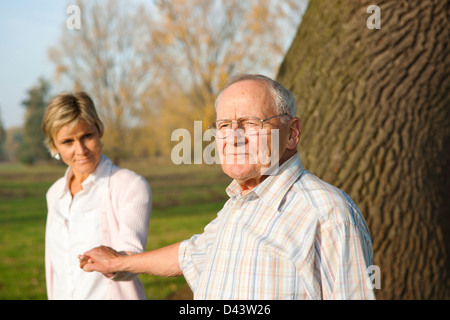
100	259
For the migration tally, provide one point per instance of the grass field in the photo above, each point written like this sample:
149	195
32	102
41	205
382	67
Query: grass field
185	199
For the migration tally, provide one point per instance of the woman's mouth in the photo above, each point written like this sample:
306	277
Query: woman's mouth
84	160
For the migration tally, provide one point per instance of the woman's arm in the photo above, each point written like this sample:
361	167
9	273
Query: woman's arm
127	216
161	262
131	202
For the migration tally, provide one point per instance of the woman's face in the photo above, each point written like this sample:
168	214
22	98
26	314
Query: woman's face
80	147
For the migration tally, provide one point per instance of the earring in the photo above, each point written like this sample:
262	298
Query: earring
57	156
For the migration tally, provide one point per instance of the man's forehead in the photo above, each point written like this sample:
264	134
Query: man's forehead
246	87
245	98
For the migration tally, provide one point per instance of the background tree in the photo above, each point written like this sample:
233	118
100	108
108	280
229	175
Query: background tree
2	140
14	141
376	122
201	43
106	58
33	148
156	68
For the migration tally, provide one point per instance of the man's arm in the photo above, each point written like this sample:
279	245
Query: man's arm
161	262
346	254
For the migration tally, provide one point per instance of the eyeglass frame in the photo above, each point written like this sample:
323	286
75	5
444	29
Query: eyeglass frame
213	125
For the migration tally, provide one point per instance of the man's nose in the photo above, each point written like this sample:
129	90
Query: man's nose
236	136
235	125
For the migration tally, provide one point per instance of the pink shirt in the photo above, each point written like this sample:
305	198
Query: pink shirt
124	214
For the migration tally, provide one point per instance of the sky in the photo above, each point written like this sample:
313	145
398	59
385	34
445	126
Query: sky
28	28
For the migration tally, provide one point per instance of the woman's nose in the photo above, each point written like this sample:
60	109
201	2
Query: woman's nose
80	147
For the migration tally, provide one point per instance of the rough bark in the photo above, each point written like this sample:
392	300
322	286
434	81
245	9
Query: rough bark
375	109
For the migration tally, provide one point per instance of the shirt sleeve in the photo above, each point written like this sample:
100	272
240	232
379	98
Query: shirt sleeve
50	199
345	254
134	215
193	253
134	209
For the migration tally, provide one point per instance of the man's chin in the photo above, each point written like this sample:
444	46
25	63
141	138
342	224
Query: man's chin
240	171
239	159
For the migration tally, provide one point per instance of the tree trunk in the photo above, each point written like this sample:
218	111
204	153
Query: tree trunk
375	110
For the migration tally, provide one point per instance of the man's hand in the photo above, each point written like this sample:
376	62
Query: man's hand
161	262
99	259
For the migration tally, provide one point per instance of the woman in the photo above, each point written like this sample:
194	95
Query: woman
95	203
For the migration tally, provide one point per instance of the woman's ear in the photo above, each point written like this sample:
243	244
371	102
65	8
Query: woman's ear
55	154
53	151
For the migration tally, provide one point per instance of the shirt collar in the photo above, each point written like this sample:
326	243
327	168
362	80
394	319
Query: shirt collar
99	176
273	189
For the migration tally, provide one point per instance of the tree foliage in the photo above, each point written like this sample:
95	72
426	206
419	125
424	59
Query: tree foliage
155	68
107	58
33	148
2	141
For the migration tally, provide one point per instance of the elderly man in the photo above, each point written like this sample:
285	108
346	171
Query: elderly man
283	234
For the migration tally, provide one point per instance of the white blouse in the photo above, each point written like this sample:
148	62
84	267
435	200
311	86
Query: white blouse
76	226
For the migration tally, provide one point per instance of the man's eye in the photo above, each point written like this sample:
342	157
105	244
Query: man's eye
223	126
67	141
250	123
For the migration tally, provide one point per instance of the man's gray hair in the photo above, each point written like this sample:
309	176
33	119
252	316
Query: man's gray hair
284	101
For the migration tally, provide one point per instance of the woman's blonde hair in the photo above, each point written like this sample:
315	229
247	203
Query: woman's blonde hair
68	109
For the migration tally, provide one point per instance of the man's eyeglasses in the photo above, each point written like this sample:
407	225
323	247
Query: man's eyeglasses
250	125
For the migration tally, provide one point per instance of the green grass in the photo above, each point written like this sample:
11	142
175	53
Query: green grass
185	199
170	226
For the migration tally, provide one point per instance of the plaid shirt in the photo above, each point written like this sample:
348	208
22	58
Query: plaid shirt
292	237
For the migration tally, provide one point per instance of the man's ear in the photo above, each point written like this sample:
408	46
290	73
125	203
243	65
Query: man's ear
295	129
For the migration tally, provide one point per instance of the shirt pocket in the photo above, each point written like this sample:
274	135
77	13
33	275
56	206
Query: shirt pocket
86	227
264	274
280	275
